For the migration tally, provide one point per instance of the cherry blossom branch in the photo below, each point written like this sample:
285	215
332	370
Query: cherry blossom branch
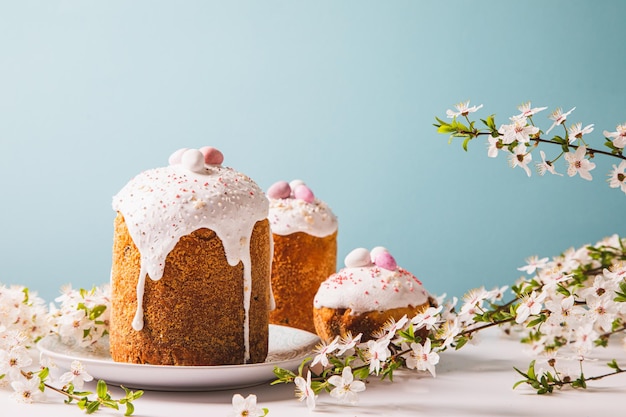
82	398
590	151
521	137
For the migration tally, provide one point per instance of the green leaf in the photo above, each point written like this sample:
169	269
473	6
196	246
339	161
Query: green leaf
97	311
613	365
101	389
92	407
283	375
111	404
460	342
542	318
490	122
518	383
26	297
460	127
361	373
130	409
446	129
531	371
82	403
465	142
43	374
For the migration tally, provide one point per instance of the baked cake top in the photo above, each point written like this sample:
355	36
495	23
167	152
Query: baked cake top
371	281
294	208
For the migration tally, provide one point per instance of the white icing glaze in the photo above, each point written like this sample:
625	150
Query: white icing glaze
370	288
163	204
290	215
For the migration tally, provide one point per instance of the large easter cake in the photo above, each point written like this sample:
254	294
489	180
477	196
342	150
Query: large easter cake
191	265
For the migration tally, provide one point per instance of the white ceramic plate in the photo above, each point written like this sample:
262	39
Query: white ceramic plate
287	348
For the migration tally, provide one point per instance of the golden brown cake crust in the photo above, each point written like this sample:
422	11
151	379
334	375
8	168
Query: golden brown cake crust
301	263
193	315
331	322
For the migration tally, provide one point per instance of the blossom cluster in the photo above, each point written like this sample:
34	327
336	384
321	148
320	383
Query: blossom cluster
22	323
82	319
572	305
521	137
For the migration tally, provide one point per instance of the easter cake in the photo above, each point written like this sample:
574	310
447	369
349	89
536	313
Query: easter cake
191	265
304	230
370	291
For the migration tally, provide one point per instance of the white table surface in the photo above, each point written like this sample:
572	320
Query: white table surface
474	382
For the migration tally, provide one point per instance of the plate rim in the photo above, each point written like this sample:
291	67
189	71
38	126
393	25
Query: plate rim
207	370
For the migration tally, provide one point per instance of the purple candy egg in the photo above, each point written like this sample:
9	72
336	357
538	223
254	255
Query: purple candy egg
386	261
280	189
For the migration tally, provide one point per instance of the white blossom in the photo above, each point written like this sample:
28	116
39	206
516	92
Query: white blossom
323	350
578	164
304	390
618	137
462	109
428	318
246	407
422	358
521	158
576	131
76	376
529	305
346	387
377	352
519	131
27	391
617	176
559	118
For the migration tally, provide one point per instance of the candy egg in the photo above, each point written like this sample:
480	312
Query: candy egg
386	261
293	184
358	258
193	160
176	157
302	192
212	156
280	189
378	249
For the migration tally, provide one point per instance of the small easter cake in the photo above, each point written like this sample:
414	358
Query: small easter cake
367	293
191	265
304	230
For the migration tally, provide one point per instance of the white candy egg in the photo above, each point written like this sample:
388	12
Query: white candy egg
358	258
193	160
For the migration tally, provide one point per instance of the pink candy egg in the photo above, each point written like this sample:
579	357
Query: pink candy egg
386	261
302	192
280	189
377	250
212	156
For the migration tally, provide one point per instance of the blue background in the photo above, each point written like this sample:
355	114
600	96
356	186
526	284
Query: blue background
341	94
